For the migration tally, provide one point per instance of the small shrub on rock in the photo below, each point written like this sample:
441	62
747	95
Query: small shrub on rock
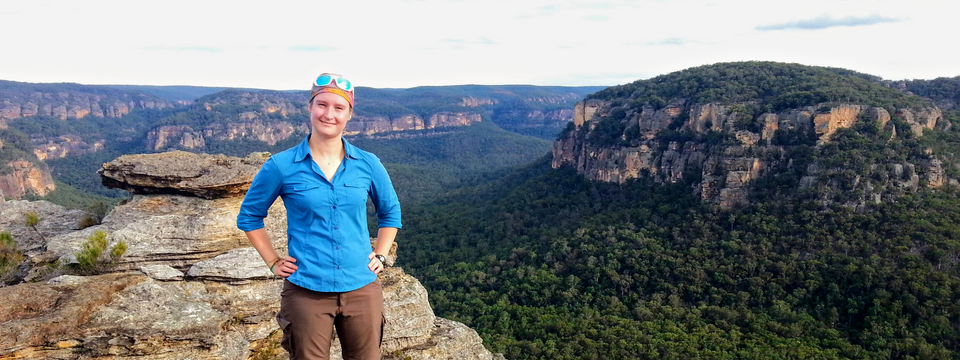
10	256
94	257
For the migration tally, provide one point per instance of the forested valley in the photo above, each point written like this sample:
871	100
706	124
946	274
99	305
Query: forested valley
545	264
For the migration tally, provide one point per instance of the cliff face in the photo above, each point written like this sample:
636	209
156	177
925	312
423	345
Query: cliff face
186	137
726	170
270	118
373	125
74	104
65	145
65	102
238	115
26	178
189	286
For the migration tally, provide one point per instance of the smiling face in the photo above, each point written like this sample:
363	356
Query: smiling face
329	114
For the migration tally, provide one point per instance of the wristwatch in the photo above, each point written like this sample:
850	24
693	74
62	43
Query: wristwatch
383	259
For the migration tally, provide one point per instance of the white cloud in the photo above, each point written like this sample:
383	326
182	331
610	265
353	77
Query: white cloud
384	43
825	21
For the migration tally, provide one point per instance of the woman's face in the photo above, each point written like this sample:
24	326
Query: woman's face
329	114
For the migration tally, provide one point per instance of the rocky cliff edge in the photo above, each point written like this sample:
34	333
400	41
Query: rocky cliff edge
727	169
189	286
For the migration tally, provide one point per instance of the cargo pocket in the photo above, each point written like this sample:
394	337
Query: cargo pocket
287	340
383	316
383	321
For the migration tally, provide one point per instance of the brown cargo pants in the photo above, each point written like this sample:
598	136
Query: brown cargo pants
308	318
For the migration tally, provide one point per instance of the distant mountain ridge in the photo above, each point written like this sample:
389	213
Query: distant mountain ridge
71	101
538	111
84	121
731	127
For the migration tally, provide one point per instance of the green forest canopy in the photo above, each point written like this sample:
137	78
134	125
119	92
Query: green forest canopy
772	86
547	265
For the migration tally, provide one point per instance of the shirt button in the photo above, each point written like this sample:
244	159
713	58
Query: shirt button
338	267
334	206
338	248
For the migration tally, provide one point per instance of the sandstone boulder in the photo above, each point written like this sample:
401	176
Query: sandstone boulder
172	230
162	272
55	220
237	264
180	172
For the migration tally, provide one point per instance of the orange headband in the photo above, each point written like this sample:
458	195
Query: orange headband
334	84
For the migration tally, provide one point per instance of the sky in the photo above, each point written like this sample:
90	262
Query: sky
283	45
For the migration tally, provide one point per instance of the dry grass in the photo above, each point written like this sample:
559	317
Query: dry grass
268	348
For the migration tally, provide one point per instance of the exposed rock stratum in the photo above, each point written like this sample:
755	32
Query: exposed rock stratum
190	286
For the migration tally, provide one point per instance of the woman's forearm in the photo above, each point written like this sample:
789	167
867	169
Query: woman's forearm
385	238
261	242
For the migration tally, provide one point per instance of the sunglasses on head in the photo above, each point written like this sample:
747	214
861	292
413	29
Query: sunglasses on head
343	84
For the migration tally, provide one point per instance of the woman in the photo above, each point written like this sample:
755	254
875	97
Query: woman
331	274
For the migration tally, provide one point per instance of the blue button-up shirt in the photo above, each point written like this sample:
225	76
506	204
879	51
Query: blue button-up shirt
326	220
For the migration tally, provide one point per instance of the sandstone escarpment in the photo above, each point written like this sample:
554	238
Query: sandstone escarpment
271	118
726	169
74	104
585	110
449	119
269	133
22	177
167	136
65	102
267	117
470	101
265	103
186	137
372	125
64	146
189	286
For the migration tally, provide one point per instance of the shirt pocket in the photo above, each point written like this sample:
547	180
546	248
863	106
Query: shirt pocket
305	196
356	192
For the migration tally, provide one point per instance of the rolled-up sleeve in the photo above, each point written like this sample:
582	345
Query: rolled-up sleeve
261	195
384	196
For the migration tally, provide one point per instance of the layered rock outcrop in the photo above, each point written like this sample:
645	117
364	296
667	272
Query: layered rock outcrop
270	118
181	172
186	137
22	177
68	104
725	169
254	128
177	136
470	101
189	287
65	102
372	125
65	145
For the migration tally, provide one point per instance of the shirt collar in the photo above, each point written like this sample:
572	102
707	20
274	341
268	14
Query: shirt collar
349	149
304	149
